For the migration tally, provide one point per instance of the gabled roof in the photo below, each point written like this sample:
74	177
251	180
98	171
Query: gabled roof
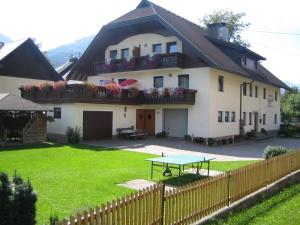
65	68
10	49
9	102
190	33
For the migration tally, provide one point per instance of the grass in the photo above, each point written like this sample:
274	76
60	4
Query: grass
282	208
69	179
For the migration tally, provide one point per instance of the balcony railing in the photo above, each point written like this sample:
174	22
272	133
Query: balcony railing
86	94
159	61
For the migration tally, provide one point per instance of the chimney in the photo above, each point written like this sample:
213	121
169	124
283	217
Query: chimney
218	31
1	44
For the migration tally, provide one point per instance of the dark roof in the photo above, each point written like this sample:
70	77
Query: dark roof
65	68
192	34
9	102
24	59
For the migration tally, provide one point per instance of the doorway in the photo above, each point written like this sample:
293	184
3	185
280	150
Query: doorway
145	119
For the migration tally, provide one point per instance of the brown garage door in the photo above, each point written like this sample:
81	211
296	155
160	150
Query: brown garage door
97	125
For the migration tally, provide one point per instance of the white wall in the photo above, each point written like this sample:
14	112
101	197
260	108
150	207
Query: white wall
145	42
229	100
12	84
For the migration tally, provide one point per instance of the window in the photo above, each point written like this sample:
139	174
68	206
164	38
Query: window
57	113
121	80
250	118
244	89
221	83
264	119
226	116
256	91
113	54
125	53
250	90
245	117
171	47
275	118
265	93
158	82
220	116
232	116
156	48
183	81
275	95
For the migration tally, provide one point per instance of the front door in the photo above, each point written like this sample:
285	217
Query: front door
145	119
256	121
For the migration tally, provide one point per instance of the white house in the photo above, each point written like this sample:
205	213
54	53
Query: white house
191	80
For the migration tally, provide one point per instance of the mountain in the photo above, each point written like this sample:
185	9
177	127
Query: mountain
5	39
61	54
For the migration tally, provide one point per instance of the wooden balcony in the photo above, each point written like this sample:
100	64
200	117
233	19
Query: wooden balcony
83	94
160	61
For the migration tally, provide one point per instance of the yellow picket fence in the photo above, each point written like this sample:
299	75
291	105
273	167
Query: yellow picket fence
187	204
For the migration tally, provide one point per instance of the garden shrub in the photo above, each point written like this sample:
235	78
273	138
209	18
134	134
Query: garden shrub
17	201
211	141
272	151
187	137
162	134
199	140
287	131
73	135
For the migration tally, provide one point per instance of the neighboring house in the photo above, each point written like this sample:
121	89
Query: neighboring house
22	63
200	78
65	68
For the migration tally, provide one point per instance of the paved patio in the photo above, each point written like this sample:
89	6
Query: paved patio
246	150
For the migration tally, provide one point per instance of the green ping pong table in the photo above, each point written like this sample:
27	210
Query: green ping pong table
180	163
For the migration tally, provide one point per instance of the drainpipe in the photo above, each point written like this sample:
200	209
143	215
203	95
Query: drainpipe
241	100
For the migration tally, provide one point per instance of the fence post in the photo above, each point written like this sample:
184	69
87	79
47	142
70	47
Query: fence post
162	203
228	189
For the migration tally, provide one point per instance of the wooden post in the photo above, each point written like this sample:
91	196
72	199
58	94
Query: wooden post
228	189
162	203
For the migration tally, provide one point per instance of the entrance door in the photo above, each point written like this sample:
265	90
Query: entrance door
256	121
145	119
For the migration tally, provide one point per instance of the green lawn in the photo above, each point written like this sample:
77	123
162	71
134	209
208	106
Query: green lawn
283	208
68	179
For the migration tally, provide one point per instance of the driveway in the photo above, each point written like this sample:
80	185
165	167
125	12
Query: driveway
246	150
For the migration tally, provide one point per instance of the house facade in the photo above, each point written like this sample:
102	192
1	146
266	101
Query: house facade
189	81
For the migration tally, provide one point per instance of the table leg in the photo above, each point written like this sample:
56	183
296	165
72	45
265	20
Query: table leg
208	167
151	170
198	168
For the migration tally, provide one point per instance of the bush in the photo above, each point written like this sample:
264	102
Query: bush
53	218
287	131
263	131
199	140
272	151
162	134
73	135
17	201
187	137
211	141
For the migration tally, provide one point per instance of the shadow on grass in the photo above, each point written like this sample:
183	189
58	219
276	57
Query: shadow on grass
21	147
182	180
91	147
264	206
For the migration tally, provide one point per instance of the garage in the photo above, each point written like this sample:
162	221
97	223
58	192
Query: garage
176	122
97	125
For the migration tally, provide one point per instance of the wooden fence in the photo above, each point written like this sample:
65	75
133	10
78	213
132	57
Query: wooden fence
187	204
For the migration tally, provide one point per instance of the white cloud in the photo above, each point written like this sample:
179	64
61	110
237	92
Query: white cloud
58	22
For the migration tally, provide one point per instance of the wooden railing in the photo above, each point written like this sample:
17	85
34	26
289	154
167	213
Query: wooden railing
191	202
160	61
81	93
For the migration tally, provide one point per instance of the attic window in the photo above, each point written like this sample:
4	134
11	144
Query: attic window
248	62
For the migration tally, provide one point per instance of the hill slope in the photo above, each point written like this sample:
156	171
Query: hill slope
5	39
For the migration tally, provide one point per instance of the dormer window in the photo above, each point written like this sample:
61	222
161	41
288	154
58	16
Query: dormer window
248	62
172	47
113	54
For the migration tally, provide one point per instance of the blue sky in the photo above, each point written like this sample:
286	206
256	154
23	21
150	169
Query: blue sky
58	22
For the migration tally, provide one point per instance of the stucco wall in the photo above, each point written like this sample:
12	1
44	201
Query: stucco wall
229	100
12	84
145	42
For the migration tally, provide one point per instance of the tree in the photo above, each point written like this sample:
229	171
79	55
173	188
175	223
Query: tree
290	105
233	21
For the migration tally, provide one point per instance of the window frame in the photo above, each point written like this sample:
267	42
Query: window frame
244	89
275	118
250	118
275	96
158	77
232	116
264	119
226	116
220	116
250	90
184	76
55	111
156	45
169	44
122	53
110	54
221	83
265	93
245	118
256	91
